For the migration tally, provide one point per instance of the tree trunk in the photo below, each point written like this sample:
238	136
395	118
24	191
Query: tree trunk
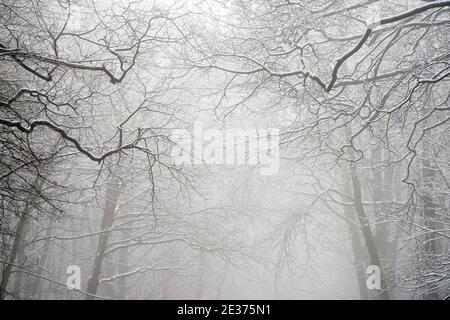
112	196
359	256
18	243
429	218
368	237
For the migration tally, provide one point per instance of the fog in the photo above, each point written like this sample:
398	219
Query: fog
209	149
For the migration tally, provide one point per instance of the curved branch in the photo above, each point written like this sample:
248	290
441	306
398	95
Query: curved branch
65	136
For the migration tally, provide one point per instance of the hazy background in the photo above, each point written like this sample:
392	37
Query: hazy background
94	205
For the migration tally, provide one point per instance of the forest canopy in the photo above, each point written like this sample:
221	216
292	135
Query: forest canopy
224	149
